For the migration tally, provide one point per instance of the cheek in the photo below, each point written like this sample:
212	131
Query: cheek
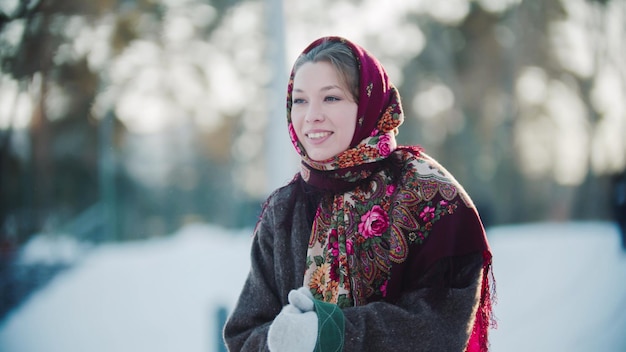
349	124
296	121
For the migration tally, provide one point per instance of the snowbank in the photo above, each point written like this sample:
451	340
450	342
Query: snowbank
157	295
561	287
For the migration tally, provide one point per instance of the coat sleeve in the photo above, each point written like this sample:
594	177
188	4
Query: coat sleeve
277	266
247	326
428	318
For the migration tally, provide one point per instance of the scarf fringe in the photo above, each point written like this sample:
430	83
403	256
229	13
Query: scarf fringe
479	339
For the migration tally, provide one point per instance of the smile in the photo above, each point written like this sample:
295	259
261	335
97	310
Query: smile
318	135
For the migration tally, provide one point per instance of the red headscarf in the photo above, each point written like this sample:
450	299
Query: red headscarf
378	116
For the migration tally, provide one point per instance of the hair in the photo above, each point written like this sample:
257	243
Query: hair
341	57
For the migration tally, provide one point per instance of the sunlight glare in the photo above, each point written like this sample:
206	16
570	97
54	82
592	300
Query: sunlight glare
608	92
144	112
449	12
177	29
15	107
185	84
608	149
57	102
227	92
498	6
203	14
138	54
11	35
408	45
571	43
533	139
8	7
571	134
433	101
609	143
531	86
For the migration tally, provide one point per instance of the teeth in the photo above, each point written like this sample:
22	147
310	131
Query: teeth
316	135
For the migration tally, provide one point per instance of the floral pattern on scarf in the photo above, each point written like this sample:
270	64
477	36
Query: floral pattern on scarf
358	236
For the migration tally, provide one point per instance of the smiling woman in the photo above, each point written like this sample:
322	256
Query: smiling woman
366	229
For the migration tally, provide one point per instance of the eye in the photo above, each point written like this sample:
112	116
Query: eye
298	101
331	98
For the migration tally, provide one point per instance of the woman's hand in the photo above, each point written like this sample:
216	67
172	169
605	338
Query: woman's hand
295	327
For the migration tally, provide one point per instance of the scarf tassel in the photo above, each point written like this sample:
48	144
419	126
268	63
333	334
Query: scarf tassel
479	339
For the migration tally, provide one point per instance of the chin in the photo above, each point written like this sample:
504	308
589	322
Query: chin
322	158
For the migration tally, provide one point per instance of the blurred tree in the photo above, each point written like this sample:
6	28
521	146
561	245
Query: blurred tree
58	177
500	99
522	101
62	60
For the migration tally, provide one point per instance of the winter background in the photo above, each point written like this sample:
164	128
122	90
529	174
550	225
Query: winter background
138	139
560	287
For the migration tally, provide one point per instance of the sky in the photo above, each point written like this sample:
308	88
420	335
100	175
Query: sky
560	287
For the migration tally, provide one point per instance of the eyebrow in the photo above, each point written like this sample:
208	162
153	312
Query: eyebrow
323	89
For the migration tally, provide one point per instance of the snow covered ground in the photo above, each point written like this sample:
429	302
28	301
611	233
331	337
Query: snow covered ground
561	287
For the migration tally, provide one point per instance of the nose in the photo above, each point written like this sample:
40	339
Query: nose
314	113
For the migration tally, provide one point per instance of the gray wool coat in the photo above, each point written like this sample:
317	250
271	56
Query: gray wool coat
435	314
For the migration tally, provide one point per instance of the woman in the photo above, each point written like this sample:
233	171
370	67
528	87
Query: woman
372	246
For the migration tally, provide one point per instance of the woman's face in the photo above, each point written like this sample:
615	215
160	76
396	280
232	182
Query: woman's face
323	112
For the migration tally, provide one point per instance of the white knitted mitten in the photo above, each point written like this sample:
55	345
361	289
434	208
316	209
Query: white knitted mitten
293	330
302	299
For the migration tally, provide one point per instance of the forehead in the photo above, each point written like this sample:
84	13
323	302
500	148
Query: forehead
316	74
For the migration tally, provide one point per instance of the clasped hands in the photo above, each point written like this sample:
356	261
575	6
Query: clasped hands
295	327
